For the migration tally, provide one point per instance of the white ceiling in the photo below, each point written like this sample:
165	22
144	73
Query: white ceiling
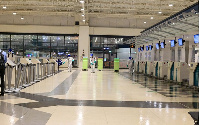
105	13
185	26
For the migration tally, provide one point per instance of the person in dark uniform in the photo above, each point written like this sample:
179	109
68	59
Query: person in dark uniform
3	60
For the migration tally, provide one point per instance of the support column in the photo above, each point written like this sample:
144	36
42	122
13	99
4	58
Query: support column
83	44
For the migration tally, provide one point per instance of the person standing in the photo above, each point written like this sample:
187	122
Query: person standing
3	60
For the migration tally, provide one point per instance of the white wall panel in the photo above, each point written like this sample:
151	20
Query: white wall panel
40	29
115	31
37	20
69	30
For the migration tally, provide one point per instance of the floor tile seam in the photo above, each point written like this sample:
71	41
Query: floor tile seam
105	116
88	102
158	115
46	93
22	108
67	79
150	89
43	80
147	87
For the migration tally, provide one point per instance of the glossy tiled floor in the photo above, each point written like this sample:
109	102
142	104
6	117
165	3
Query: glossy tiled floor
101	98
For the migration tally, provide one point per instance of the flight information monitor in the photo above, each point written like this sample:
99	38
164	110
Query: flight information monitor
150	47
180	42
172	43
162	45
147	48
142	49
157	46
196	38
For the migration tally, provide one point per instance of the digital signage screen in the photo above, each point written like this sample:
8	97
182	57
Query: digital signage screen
162	45
157	46
172	43
196	38
150	47
147	48
180	42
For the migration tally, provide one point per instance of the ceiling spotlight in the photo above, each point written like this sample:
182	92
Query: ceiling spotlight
173	23
83	20
22	18
83	15
159	12
152	18
145	22
81	1
82	9
170	5
4	7
14	13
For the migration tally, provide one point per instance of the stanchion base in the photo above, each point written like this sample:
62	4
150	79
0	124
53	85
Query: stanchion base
8	91
16	90
21	87
36	80
26	85
32	83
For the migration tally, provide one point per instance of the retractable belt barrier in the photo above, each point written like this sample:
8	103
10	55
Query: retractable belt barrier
21	76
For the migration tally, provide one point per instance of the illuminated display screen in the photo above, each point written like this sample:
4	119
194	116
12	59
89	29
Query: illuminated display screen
180	42
172	43
196	38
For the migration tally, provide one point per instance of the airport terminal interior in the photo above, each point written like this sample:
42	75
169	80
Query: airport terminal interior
99	62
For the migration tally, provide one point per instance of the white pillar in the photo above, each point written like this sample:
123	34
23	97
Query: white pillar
83	44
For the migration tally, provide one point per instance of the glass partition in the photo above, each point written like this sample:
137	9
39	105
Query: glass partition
4	42
34	45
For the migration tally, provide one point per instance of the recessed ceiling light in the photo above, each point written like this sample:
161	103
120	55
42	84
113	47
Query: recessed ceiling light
159	12
82	9
83	20
4	7
145	22
81	1
173	23
14	13
170	5
22	18
83	15
152	18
